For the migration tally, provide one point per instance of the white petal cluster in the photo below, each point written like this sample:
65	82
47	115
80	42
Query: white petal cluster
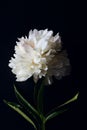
39	55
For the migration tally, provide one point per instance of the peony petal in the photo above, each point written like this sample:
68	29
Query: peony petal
39	55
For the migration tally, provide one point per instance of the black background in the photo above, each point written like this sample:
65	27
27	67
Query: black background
66	17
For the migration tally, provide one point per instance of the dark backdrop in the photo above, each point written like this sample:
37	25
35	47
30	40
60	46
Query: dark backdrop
66	17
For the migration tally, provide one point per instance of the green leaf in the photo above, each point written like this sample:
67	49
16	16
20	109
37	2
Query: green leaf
17	108
60	109
71	100
54	114
26	104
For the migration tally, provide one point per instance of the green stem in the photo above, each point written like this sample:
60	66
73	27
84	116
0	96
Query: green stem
40	98
42	126
35	94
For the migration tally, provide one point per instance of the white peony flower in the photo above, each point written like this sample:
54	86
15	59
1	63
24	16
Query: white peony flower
39	55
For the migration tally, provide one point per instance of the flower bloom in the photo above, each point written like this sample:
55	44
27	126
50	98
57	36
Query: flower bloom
39	55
